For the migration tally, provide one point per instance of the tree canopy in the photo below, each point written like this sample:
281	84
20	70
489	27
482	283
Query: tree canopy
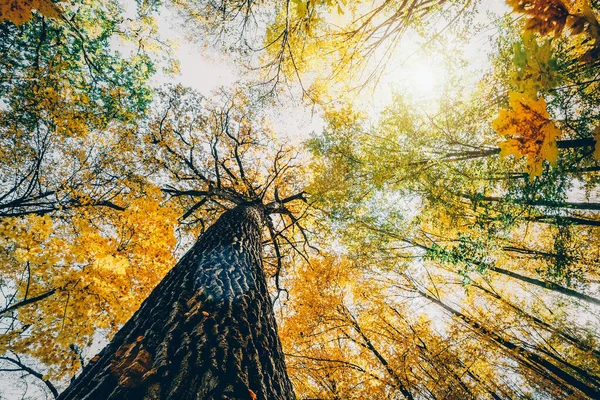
441	245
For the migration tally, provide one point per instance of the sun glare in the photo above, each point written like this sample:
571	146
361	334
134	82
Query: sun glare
423	78
420	76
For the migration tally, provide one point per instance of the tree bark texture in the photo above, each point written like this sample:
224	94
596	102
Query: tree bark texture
207	331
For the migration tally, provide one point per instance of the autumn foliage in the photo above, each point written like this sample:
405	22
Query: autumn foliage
434	247
530	131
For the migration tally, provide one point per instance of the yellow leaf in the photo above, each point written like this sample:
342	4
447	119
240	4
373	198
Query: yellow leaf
48	9
529	130
510	147
20	11
596	133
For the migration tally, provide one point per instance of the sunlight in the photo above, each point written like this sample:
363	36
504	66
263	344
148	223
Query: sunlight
411	71
421	77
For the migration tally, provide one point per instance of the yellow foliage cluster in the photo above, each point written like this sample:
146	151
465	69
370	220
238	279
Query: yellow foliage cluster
530	131
20	11
64	108
312	334
101	267
347	324
70	262
324	55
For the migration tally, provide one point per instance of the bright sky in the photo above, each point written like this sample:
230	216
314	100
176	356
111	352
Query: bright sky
201	69
205	70
423	74
411	69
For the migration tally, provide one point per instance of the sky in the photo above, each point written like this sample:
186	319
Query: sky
200	68
205	70
412	69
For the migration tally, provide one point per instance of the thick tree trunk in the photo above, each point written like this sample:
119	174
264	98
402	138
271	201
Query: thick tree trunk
206	332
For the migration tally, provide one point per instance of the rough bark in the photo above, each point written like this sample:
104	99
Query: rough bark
206	332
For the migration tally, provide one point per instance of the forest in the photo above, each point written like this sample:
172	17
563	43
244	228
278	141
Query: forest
300	199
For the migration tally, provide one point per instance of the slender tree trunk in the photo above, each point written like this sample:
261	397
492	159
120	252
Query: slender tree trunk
529	202
474	154
546	285
560	332
557	220
525	356
206	332
366	343
543	284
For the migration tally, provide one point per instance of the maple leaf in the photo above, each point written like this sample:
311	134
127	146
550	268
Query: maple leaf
535	66
545	15
596	133
530	131
20	11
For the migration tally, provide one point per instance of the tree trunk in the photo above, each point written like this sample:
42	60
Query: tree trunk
207	331
546	285
526	357
536	203
543	284
557	331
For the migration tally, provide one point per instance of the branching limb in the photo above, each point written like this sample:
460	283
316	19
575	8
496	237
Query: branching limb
17	362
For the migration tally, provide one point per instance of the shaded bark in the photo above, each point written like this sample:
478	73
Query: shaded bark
207	331
559	220
531	202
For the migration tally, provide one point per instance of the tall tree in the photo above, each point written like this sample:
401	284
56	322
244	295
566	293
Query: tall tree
209	156
206	331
